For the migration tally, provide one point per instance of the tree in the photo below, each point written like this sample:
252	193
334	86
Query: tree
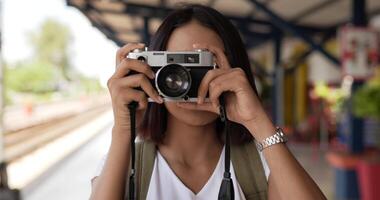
51	44
49	71
35	77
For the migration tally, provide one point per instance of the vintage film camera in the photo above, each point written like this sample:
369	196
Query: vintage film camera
178	73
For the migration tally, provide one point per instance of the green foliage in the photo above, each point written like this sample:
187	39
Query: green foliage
51	44
90	85
367	100
48	74
34	77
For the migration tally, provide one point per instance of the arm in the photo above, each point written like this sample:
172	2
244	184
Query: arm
273	193
287	177
111	182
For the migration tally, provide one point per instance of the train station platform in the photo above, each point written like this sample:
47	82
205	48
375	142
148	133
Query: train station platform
70	179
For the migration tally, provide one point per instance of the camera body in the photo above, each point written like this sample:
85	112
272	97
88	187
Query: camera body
178	73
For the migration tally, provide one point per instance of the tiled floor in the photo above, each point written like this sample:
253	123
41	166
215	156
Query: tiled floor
313	160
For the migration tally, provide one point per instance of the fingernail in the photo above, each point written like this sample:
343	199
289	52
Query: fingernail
160	100
152	75
200	100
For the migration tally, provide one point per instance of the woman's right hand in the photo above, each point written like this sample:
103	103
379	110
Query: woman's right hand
122	87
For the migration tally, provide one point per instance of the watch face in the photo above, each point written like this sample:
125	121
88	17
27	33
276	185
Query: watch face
259	146
281	134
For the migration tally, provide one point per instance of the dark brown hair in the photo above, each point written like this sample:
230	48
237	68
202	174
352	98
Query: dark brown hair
153	125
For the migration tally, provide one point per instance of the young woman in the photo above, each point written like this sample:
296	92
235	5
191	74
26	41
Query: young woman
189	157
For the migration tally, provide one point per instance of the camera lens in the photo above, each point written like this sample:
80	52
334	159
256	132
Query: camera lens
173	81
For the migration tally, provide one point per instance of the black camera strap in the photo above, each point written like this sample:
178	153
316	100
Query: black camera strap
226	191
132	178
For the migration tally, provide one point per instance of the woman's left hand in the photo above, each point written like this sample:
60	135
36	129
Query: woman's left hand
242	104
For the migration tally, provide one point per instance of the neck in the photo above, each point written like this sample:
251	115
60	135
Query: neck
190	144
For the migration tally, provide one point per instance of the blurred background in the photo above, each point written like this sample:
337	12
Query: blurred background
316	65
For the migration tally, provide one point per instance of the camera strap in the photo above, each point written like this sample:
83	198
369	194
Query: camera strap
226	191
132	178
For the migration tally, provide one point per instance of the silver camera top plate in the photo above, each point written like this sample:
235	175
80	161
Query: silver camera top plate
185	58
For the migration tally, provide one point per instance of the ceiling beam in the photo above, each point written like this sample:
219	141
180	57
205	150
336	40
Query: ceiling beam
162	12
307	12
295	63
283	24
251	37
99	24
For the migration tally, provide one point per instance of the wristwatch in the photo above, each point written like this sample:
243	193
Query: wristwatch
278	137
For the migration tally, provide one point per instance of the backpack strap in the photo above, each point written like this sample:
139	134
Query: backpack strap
249	171
145	155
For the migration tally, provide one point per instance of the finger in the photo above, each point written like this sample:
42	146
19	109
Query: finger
224	83
123	51
204	85
194	106
221	59
140	80
127	64
136	95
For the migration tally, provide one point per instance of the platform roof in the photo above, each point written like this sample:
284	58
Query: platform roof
124	21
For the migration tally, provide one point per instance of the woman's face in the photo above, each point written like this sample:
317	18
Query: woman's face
182	39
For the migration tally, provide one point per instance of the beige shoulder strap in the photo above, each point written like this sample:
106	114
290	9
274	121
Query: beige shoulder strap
249	171
145	154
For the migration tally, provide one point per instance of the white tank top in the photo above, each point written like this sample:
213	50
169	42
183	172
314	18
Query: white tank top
164	184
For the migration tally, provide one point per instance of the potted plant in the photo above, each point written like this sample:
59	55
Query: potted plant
366	104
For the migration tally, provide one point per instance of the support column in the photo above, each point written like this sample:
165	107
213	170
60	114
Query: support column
278	79
346	176
145	35
356	140
1	90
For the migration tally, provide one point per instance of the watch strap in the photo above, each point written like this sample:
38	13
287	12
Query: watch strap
278	137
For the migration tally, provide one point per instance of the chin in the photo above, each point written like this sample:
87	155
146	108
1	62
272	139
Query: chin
191	117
